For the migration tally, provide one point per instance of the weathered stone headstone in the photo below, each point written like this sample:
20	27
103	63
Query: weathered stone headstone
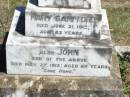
71	23
58	56
74	62
65	56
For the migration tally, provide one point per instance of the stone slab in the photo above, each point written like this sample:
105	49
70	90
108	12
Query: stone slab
10	92
59	86
87	4
53	56
52	22
122	49
104	33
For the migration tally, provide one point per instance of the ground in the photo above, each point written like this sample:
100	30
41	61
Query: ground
119	21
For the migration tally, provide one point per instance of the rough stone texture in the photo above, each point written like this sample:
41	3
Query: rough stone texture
121	40
57	86
35	54
88	4
105	32
122	49
55	22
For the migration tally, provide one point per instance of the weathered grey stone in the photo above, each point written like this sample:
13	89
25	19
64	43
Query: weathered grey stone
122	49
10	92
59	86
68	55
88	4
58	24
52	22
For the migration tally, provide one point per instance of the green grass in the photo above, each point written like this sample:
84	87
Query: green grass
7	8
124	65
119	20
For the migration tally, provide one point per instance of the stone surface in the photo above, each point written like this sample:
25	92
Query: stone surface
52	22
58	86
25	55
29	55
122	49
88	4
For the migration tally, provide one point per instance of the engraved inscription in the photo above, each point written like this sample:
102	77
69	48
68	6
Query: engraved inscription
66	61
64	24
68	52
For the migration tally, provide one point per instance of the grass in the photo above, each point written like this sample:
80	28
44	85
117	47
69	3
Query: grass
7	8
119	20
125	73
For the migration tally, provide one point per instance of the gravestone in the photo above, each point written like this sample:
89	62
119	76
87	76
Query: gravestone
72	23
68	62
58	56
61	54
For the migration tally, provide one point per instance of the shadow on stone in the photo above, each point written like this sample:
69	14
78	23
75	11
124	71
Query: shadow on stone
35	2
20	28
3	55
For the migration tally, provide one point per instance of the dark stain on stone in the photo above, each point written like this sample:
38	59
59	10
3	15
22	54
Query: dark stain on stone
6	91
98	19
89	4
33	41
61	3
43	93
35	2
105	53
